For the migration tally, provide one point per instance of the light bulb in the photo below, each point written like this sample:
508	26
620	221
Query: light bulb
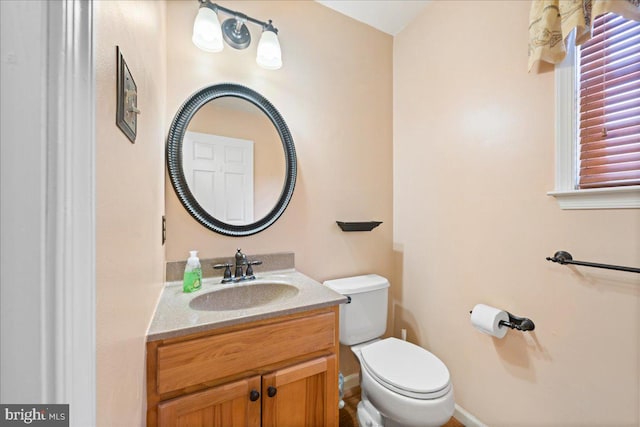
207	34
269	53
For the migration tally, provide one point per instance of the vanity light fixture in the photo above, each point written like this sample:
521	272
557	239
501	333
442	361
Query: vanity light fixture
208	34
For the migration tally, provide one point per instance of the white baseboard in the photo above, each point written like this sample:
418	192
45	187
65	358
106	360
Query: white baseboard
466	418
351	381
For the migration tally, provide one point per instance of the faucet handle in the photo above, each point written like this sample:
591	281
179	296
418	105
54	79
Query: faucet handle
227	271
250	265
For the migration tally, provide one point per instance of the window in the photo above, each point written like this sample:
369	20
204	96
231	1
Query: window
609	104
598	119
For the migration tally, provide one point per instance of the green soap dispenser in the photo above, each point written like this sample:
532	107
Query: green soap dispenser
192	273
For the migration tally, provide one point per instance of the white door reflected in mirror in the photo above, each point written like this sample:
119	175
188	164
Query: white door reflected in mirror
219	173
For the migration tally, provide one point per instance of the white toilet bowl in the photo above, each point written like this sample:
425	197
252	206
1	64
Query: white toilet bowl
403	385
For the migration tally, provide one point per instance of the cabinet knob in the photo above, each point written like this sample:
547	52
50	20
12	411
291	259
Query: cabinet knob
254	395
271	391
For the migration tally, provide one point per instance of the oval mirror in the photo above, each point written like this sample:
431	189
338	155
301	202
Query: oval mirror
231	159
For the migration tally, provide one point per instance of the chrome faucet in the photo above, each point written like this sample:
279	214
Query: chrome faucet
240	261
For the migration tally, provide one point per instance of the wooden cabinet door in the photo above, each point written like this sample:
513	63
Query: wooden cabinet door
227	405
303	395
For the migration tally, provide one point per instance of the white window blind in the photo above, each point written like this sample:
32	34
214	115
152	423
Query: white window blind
609	104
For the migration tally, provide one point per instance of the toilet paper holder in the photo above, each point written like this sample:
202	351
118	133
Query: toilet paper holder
515	322
519	323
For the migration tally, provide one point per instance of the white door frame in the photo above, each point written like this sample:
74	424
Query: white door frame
59	250
71	207
71	225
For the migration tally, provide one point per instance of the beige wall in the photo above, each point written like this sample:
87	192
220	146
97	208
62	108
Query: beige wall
473	160
130	204
335	93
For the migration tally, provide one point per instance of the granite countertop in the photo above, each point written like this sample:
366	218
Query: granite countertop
175	317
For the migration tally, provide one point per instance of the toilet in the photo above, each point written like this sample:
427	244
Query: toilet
402	384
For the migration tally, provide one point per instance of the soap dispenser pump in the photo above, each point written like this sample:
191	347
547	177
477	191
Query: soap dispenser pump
192	273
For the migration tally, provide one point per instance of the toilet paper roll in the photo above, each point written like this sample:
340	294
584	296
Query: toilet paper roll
487	319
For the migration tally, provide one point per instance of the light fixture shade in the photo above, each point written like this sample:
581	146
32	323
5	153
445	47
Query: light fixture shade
207	34
269	54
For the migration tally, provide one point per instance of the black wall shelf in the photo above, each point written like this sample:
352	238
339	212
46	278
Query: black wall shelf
358	226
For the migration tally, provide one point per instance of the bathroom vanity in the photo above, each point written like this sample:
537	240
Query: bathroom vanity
256	364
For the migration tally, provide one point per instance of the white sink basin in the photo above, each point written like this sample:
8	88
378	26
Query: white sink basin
243	296
273	293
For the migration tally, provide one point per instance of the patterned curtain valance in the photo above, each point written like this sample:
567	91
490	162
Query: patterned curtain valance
551	22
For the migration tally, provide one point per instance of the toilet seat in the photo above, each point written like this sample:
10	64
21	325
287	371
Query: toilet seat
406	369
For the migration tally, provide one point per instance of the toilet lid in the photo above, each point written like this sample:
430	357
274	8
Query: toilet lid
406	368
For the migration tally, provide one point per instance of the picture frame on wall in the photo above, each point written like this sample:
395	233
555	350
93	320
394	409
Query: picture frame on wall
127	99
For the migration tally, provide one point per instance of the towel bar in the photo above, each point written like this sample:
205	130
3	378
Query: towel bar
563	257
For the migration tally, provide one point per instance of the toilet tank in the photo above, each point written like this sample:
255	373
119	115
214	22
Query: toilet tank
364	317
